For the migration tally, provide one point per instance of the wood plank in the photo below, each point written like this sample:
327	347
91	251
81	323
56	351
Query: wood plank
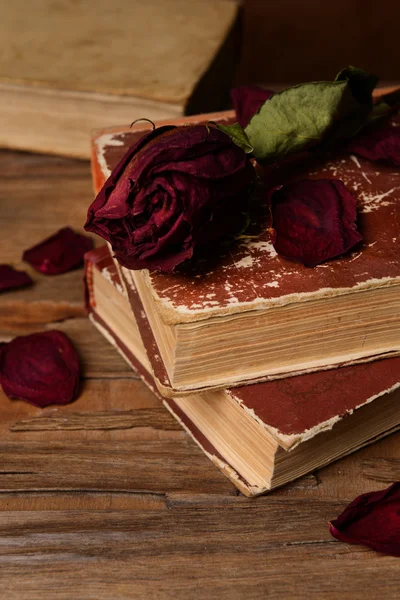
90	501
188	554
379	469
158	418
94	465
198	577
106	397
19	317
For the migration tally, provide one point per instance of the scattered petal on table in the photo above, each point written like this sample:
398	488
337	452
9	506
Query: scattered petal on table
373	520
41	368
59	253
11	279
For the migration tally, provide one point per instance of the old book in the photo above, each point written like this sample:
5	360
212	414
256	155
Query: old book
264	435
253	315
67	68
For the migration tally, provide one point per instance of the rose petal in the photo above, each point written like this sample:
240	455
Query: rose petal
313	220
247	99
11	279
373	520
41	368
58	253
103	206
378	143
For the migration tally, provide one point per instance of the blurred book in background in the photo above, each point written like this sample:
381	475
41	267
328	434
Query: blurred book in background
67	68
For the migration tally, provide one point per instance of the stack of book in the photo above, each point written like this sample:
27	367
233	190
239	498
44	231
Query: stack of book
273	368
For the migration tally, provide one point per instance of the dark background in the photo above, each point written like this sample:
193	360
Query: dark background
291	41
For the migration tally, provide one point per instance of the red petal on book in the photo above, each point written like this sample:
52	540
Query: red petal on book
313	220
11	279
378	143
373	520
59	253
41	368
247	100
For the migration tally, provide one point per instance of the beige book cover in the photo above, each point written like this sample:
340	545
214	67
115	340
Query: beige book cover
67	67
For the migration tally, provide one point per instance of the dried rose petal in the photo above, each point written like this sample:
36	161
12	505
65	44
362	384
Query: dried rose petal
58	253
313	220
373	520
41	368
378	143
11	279
247	99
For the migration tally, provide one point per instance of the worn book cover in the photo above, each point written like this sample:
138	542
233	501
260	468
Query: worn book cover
293	425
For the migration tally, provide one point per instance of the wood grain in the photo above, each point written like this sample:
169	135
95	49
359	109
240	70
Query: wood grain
106	498
187	553
158	418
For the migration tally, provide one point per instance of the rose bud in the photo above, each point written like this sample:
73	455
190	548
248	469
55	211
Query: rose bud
179	189
40	368
313	220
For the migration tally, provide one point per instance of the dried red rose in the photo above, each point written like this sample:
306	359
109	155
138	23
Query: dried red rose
179	189
378	143
373	520
11	279
313	220
58	253
247	100
41	368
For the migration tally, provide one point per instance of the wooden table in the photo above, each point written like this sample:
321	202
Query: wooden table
108	499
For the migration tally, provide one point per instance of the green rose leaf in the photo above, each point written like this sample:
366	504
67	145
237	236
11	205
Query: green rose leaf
237	135
357	101
361	84
304	116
